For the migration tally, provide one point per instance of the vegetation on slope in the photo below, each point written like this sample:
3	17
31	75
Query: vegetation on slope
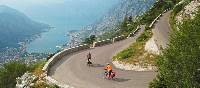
11	70
157	9
179	65
37	71
175	11
129	23
90	39
136	53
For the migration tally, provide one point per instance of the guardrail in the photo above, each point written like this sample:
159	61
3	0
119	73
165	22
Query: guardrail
119	38
156	19
62	53
57	57
102	43
133	34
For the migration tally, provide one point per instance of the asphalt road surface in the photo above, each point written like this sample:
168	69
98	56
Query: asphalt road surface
73	70
161	30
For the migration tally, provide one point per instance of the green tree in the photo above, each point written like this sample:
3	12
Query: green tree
124	24
90	40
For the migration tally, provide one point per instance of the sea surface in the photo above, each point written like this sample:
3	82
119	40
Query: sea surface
73	15
64	16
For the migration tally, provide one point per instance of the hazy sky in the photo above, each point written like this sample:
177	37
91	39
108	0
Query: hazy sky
32	2
30	7
20	3
25	5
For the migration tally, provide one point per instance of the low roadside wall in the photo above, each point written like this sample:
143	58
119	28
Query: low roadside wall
61	54
156	19
56	58
102	43
119	38
135	32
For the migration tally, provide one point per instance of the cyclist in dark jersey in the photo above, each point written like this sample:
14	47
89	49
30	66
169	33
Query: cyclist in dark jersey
89	57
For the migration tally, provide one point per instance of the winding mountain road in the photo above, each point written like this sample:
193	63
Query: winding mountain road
161	30
72	69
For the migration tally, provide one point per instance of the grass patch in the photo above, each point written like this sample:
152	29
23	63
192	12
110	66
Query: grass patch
145	36
44	85
125	54
136	54
37	68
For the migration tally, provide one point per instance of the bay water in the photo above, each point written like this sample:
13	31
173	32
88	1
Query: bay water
66	16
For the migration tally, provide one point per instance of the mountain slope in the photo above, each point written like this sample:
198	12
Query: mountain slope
117	14
16	27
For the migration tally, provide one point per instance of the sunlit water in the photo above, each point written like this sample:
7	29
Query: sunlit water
66	16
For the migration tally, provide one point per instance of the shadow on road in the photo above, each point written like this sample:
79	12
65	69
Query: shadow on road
121	79
97	65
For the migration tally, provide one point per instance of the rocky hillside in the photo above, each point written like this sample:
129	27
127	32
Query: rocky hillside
189	12
16	27
117	14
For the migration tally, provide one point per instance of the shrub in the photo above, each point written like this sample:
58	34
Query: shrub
9	72
90	40
145	36
44	85
36	68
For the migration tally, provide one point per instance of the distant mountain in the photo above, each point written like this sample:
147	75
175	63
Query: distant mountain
117	14
16	27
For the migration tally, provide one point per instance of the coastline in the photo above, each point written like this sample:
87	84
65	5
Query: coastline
79	35
19	53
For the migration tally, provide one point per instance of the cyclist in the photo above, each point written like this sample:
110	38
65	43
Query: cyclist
89	57
108	68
